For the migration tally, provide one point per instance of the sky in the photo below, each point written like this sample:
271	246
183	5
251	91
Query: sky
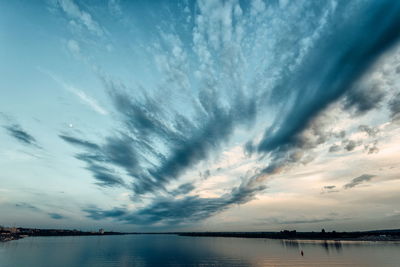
208	115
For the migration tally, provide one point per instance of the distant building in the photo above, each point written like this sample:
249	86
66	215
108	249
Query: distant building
101	231
12	230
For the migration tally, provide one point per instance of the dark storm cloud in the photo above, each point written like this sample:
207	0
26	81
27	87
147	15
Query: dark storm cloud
20	135
358	180
56	216
335	64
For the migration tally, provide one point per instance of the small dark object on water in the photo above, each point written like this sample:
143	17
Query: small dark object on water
302	253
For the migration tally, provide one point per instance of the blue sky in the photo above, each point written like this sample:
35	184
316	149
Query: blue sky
200	115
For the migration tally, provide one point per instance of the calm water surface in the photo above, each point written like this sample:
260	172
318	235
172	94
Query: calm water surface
171	250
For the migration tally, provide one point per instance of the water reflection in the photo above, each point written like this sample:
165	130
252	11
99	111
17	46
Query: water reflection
170	250
327	245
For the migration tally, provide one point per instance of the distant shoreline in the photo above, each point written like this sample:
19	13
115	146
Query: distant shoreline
9	234
377	235
380	235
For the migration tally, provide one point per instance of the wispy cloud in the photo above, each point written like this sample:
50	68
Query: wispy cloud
329	189
305	221
116	151
56	216
359	180
19	134
83	17
25	205
84	97
53	215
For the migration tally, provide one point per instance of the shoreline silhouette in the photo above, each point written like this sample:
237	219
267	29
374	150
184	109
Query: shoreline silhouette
9	234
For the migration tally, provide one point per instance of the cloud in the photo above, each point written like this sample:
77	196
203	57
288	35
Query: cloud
372	148
56	216
88	100
370	131
304	221
358	180
249	148
20	135
205	174
27	206
329	189
97	214
318	84
79	142
173	211
187	142
115	7
183	189
106	177
31	207
75	12
300	128
208	90
361	100
350	145
74	47
394	107
115	151
334	148
84	97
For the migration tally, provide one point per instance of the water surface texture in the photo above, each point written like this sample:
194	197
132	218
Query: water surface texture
171	250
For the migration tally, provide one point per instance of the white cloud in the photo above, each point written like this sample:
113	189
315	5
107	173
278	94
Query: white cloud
83	17
88	100
74	47
115	7
84	97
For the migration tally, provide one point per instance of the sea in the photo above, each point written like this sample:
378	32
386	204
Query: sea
172	250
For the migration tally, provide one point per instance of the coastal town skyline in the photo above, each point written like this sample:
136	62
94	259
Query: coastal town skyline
200	115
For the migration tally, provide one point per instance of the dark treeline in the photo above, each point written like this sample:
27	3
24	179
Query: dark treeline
7	234
62	232
383	235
